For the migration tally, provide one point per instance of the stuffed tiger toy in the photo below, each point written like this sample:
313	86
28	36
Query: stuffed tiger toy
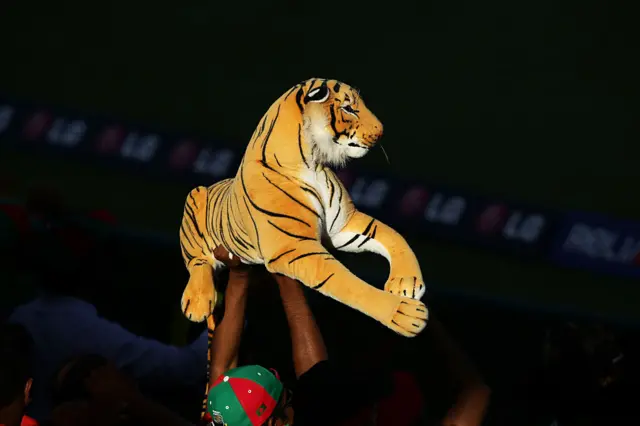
285	199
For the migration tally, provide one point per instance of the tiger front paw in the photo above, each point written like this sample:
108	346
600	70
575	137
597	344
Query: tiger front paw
410	318
198	306
411	287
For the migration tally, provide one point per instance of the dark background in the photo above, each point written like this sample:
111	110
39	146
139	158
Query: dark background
531	102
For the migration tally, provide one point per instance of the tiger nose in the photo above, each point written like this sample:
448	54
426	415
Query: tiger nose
378	131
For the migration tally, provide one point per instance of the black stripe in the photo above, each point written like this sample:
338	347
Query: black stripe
188	237
244	254
317	287
193	199
186	254
268	136
333	123
313	192
334	219
289	233
304	160
263	211
373	234
224	224
280	255
366	230
331	188
299	99
339	207
304	186
276	158
211	214
254	224
206	214
302	256
365	241
349	242
191	215
238	214
187	228
336	87
290	92
233	227
221	221
264	123
291	196
258	131
238	239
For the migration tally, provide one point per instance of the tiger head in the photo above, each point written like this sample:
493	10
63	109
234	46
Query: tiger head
336	123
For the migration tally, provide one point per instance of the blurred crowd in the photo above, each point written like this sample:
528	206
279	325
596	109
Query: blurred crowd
62	362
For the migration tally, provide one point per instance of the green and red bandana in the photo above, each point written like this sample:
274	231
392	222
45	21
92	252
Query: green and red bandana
244	396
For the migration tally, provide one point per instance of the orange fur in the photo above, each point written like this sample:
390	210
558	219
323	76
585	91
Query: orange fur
285	197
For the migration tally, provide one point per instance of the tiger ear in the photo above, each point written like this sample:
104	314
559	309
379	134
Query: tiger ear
319	94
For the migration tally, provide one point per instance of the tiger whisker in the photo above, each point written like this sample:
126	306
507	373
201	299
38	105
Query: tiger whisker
385	154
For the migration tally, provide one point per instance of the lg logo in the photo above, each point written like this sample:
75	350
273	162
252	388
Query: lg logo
214	162
66	132
140	147
369	194
513	226
445	210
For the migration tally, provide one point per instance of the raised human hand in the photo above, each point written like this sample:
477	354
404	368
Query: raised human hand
232	262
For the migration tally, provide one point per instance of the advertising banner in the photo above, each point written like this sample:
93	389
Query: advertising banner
413	208
596	242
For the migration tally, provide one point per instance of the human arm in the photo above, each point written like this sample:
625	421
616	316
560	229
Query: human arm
226	337
151	361
321	382
147	360
473	396
307	342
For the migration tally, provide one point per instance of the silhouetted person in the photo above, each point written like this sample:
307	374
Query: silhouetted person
326	393
15	375
64	323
